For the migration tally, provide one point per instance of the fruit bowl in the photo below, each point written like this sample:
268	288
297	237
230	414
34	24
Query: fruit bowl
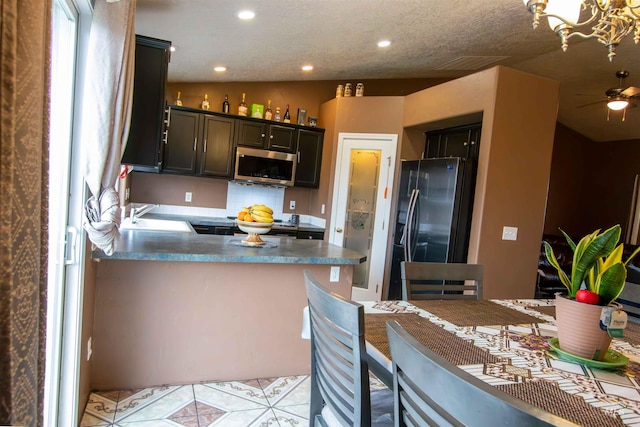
254	230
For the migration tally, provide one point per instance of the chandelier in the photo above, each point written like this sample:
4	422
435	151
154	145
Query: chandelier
608	21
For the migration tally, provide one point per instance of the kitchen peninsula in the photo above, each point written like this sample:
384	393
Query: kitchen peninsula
180	307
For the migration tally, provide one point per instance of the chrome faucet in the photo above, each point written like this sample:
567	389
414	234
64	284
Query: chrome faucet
138	212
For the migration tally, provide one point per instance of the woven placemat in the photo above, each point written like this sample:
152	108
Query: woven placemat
474	312
549	310
444	343
550	397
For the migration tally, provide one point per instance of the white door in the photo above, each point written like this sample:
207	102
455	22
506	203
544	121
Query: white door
362	205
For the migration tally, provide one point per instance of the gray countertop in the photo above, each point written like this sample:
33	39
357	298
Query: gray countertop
190	246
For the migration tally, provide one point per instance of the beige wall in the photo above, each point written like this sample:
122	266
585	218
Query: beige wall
88	305
513	169
212	192
185	322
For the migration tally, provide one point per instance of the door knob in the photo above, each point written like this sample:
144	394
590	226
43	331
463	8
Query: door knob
338	230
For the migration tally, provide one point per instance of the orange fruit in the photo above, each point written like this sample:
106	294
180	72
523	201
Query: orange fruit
241	216
248	218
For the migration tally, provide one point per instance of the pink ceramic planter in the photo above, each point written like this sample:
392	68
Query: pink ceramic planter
579	330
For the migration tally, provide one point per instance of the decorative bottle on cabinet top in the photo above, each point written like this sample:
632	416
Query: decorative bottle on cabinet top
205	102
225	104
277	115
287	116
178	100
242	108
268	114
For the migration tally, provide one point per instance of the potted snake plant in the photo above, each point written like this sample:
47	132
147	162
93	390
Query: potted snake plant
598	276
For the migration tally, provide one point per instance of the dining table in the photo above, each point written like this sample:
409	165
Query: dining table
509	345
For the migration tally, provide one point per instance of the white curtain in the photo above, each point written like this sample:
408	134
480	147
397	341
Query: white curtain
107	100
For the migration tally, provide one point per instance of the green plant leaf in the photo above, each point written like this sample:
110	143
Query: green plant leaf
612	281
632	256
589	250
548	251
572	245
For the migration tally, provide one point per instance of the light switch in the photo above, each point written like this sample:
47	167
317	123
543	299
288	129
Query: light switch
509	233
187	196
335	273
292	205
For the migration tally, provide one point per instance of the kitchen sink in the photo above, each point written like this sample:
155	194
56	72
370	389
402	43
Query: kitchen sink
149	224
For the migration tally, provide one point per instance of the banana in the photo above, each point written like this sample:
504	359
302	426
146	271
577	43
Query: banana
245	210
261	216
262	208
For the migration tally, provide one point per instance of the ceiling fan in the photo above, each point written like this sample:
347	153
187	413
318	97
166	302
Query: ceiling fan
619	98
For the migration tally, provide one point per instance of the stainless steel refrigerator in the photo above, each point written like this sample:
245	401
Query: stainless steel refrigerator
433	217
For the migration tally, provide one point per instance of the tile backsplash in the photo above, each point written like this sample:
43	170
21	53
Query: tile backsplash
242	195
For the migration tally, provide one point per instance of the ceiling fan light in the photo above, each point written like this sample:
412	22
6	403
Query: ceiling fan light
617	104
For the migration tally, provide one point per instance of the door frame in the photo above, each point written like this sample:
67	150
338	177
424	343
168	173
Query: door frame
388	144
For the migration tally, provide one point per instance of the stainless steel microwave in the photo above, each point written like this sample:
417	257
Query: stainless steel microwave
265	167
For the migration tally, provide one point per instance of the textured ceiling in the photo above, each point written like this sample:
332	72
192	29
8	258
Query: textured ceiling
428	37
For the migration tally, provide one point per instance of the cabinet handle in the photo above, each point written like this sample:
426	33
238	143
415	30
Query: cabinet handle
166	137
262	135
205	145
473	143
465	143
298	157
169	117
270	136
195	141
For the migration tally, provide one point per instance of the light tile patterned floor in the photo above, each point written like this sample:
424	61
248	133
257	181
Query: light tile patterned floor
265	402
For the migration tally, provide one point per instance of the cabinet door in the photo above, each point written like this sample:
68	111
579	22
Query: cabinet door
145	134
251	134
282	138
182	140
309	158
217	146
455	144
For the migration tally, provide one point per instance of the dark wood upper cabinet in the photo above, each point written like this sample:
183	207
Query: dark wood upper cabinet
251	133
217	146
281	138
309	146
269	136
144	145
199	143
183	129
463	141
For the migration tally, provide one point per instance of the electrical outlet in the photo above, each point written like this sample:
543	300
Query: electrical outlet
292	205
89	348
187	196
509	233
322	210
335	273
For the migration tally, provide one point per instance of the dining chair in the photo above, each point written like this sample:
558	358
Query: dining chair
431	280
428	390
340	394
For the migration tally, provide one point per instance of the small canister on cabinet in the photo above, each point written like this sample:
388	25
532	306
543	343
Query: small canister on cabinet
347	89
360	89
339	91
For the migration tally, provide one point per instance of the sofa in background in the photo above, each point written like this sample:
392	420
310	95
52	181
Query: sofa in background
548	283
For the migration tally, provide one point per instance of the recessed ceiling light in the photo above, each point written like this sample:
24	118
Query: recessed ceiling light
384	43
220	69
307	67
246	14
172	48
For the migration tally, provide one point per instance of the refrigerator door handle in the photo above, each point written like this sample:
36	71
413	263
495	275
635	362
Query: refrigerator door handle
408	246
406	228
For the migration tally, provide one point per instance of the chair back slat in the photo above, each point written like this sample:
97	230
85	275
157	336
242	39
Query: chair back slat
431	391
339	370
431	280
